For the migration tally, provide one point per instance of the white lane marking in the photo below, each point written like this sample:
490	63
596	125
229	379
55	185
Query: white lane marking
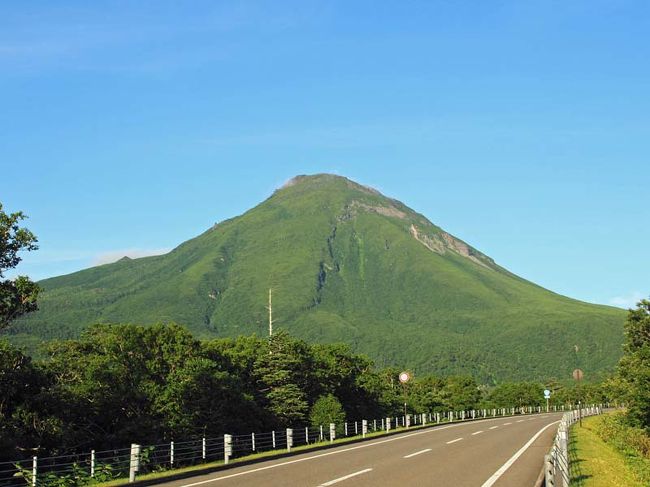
506	424
489	482
494	427
477	433
341	479
521	421
418	453
454	441
336	452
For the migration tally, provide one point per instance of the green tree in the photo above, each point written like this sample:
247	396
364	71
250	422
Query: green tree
17	296
283	368
426	394
634	366
327	409
461	392
516	394
22	427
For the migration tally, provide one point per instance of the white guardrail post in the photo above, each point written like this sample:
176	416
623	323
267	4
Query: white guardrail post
289	439
134	464
227	448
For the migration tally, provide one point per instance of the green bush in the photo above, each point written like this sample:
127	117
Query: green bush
327	409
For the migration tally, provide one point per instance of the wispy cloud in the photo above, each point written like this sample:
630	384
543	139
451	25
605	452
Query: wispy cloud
629	300
136	38
115	255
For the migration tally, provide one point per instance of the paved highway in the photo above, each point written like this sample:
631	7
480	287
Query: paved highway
500	452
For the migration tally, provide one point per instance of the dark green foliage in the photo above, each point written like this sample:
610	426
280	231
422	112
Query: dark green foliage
634	367
512	394
17	296
120	384
20	396
346	265
283	371
461	392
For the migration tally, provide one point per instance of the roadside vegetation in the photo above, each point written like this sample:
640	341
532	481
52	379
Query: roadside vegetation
597	463
615	448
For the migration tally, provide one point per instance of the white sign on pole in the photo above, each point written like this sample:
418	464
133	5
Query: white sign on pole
547	394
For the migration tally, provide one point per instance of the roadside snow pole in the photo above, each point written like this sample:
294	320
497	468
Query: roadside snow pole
289	439
134	464
332	432
227	448
364	428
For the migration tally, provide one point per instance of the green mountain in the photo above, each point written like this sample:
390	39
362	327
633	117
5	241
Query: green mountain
345	264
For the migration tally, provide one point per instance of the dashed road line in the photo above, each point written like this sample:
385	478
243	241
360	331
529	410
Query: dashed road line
418	453
477	433
341	479
454	441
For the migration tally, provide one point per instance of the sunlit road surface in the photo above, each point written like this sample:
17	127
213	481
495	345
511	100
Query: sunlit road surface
500	452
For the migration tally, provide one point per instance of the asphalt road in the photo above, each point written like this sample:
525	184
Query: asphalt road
500	452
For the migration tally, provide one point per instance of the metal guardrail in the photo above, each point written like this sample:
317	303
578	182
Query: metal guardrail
557	463
78	470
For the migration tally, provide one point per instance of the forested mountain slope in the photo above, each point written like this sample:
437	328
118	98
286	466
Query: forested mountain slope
345	264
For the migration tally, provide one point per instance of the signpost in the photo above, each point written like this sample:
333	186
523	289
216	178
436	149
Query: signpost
547	396
578	374
404	377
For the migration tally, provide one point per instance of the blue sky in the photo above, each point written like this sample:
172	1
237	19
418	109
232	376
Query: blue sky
520	127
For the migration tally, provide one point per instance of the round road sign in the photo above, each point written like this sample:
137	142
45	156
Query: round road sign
578	374
547	394
404	377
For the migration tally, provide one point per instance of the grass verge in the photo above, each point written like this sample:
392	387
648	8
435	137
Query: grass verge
595	463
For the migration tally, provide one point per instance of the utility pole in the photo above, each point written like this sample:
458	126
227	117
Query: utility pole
270	307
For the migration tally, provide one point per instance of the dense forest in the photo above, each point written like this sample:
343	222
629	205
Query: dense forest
120	384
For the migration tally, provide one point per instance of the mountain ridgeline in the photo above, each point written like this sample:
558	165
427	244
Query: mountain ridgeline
345	264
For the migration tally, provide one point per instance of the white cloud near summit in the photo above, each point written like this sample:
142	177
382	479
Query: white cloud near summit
629	300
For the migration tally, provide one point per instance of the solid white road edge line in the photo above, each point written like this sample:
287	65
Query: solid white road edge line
418	453
454	441
341	479
489	482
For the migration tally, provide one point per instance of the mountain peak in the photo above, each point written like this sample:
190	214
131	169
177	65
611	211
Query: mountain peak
326	179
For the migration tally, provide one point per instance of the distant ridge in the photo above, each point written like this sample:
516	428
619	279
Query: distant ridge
346	264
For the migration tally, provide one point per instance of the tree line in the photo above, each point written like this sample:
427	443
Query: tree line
119	384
